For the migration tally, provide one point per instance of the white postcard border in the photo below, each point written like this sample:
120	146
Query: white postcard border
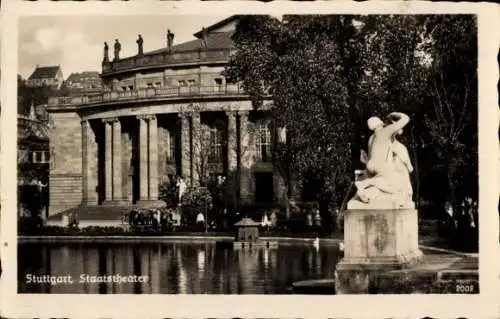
297	306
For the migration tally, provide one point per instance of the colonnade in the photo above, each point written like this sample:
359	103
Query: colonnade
237	121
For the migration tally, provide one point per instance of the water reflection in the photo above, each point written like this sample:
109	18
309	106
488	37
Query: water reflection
173	268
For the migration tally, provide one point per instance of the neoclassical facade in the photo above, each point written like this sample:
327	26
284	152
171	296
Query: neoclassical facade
162	114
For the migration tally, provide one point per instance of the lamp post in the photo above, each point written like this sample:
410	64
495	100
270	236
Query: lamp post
206	217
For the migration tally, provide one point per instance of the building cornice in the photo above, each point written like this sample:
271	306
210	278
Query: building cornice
166	60
111	105
148	95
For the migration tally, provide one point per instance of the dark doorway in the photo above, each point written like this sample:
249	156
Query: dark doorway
101	161
264	187
134	163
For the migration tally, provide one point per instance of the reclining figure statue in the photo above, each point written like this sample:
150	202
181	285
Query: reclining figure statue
386	178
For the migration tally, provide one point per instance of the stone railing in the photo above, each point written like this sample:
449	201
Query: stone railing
150	94
166	58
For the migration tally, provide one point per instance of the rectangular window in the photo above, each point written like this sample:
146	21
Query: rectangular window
31	157
171	150
37	157
216	138
263	139
218	85
46	156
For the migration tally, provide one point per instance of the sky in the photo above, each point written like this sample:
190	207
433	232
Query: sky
76	43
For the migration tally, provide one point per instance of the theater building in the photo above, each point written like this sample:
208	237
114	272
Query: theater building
162	114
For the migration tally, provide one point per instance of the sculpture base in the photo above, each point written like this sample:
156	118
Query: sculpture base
381	204
376	241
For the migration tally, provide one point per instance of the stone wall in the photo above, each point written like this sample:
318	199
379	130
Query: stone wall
90	162
247	151
66	161
202	75
210	74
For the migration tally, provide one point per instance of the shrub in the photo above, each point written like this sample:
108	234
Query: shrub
169	193
33	199
29	225
197	197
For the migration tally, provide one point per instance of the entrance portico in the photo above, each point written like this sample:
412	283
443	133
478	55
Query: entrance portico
124	159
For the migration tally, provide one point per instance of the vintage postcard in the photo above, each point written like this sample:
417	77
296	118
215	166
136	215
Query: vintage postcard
218	160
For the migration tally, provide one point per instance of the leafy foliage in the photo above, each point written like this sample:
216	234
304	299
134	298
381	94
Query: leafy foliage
28	96
33	198
451	115
169	193
328	74
197	197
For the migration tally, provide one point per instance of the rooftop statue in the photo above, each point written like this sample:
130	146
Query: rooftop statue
385	183
170	39
106	52
118	48
140	43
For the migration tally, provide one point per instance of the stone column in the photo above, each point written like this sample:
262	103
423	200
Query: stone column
166	138
245	158
128	169
232	141
185	147
117	161
108	167
85	162
232	157
197	148
143	158
153	158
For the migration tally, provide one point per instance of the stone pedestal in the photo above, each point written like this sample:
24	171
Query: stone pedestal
376	241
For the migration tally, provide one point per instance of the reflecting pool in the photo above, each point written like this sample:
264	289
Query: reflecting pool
170	268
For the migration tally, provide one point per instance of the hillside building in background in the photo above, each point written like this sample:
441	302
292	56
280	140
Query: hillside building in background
50	76
87	82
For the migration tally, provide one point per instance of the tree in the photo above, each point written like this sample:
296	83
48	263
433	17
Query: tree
169	193
326	76
451	115
32	136
33	96
207	148
201	150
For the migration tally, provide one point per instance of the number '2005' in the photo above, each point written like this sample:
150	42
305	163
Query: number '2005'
465	288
